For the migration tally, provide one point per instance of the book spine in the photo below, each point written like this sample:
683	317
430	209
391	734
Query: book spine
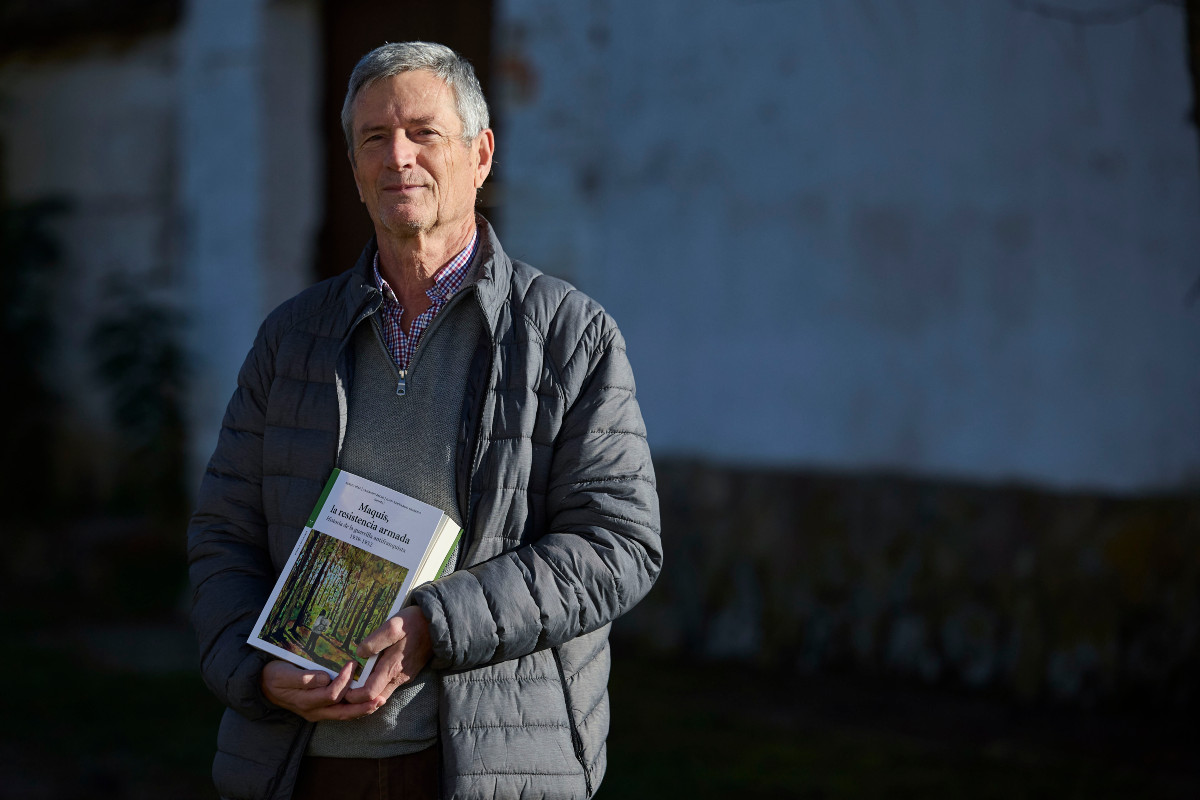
316	512
450	552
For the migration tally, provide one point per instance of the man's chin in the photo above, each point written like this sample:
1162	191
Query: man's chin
405	225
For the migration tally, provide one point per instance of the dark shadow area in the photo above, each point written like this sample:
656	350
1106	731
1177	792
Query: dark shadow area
725	730
679	729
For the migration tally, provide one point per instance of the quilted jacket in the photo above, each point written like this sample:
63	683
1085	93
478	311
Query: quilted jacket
557	492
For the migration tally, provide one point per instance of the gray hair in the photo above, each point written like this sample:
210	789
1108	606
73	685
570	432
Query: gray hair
392	59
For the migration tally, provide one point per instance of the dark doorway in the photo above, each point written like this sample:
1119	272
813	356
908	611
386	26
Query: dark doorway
350	29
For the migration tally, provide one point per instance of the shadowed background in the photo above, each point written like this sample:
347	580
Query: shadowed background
909	289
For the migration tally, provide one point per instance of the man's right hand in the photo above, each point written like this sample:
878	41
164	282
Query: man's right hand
311	693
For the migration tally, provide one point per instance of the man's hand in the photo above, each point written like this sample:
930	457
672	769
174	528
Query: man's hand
404	648
311	693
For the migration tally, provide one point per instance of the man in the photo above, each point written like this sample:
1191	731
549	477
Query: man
318	628
443	369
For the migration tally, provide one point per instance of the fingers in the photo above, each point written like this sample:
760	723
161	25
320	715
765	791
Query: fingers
304	691
282	675
313	679
396	666
336	708
382	637
340	711
378	688
342	681
389	673
315	696
403	646
362	697
331	693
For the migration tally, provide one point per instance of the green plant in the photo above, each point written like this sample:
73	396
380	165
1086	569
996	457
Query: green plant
136	349
29	261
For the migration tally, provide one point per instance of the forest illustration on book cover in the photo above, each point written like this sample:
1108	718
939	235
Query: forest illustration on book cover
335	595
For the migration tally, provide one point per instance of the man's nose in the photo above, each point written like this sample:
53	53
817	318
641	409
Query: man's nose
404	152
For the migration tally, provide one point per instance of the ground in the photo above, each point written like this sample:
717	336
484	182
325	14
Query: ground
104	700
120	713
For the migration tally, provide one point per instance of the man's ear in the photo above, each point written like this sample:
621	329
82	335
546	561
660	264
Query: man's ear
485	148
354	172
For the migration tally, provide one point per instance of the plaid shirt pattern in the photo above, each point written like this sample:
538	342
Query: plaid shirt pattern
401	344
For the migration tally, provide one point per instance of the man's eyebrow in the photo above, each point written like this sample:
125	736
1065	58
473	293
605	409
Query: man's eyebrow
426	119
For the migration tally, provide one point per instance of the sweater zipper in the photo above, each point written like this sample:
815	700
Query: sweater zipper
402	374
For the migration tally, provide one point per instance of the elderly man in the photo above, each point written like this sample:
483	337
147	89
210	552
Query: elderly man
445	370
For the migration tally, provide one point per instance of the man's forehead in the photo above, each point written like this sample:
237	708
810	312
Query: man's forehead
418	84
423	98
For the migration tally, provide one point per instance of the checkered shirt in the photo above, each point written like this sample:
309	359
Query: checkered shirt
401	344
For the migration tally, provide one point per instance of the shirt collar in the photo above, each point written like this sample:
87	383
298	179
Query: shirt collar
446	281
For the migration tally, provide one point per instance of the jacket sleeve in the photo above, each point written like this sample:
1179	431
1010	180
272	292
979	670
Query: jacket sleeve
228	562
601	550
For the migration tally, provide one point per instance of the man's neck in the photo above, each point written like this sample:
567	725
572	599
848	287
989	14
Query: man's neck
409	263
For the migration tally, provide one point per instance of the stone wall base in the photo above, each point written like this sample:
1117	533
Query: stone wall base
1070	597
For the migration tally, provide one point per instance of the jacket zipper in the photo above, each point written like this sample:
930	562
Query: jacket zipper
476	449
344	401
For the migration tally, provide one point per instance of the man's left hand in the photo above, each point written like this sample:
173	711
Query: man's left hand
404	648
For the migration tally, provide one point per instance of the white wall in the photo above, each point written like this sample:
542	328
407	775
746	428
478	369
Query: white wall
191	160
951	238
250	156
96	130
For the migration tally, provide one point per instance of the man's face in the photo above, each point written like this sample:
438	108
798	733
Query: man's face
413	171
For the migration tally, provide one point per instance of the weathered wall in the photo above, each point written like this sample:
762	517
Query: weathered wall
190	161
250	157
1039	595
95	126
943	237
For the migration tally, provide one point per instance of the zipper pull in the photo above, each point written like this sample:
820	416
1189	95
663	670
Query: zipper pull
402	383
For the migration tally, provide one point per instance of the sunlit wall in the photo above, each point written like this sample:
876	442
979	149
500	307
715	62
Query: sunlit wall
942	237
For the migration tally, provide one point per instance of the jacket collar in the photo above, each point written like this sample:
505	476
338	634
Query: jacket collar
360	289
491	277
494	274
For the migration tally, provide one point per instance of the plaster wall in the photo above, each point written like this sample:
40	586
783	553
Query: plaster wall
250	185
189	161
95	129
946	238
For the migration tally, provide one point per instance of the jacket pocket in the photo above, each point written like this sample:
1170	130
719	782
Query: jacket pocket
576	738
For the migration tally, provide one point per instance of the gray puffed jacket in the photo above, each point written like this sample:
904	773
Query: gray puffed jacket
561	531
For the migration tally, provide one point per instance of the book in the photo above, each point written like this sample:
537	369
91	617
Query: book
364	549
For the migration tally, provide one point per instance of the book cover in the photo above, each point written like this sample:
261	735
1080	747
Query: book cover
365	547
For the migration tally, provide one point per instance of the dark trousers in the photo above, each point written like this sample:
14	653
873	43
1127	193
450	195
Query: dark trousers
408	777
